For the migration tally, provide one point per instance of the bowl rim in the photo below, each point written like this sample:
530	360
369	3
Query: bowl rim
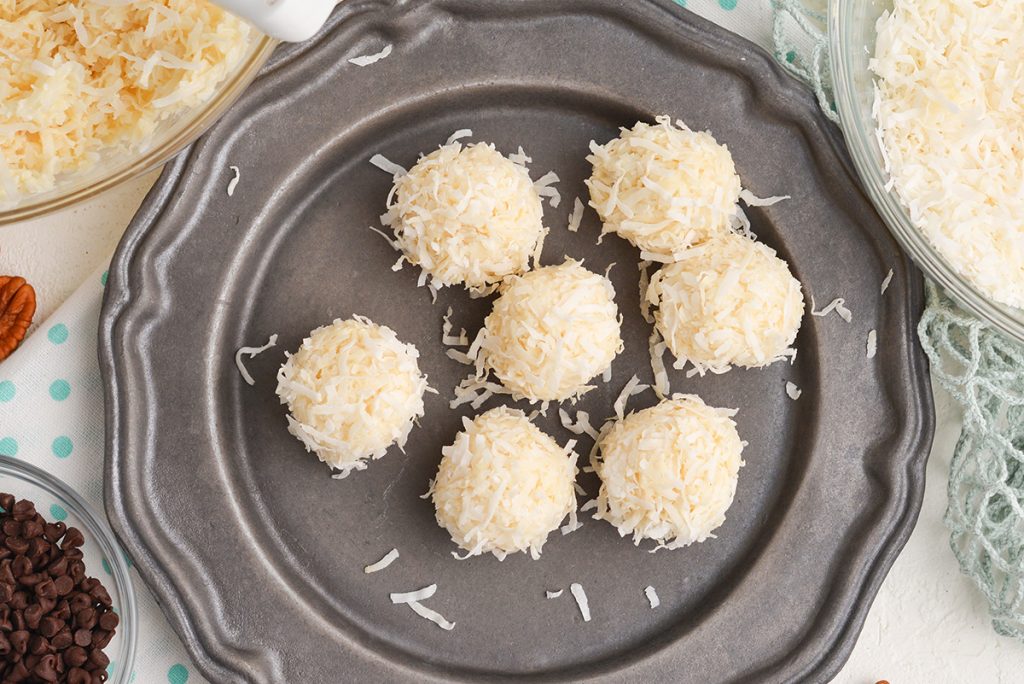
96	526
158	154
861	141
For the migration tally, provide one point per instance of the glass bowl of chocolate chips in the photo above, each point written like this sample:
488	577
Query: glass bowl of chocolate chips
67	607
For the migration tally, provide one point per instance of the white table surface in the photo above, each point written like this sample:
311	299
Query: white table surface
928	624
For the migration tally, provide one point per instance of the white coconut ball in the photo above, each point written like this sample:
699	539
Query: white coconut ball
664	187
352	389
730	301
504	485
467	215
669	472
551	331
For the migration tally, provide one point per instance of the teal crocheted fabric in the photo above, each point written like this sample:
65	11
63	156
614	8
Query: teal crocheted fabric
979	366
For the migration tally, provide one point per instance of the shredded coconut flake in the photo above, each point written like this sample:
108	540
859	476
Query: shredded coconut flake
793	391
581	600
251	352
418	595
385	164
546	188
576	217
367	60
389	558
753	200
85	82
652	597
872	346
632	388
459	135
885	283
838	305
580	426
949	104
431	615
233	183
554	594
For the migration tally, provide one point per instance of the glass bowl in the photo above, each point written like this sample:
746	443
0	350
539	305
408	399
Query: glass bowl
851	30
171	135
102	555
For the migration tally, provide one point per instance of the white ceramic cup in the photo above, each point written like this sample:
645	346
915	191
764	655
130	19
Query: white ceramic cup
288	20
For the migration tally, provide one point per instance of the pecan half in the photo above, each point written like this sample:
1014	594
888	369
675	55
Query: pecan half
17	307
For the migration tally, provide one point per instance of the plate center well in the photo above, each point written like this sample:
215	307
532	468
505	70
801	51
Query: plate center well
323	262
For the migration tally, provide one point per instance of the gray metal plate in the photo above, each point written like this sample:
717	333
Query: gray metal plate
257	554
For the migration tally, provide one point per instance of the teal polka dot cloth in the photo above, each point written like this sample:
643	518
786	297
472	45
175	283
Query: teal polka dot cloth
51	414
51	399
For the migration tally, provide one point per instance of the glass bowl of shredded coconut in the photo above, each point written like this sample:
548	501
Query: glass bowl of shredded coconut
94	92
931	98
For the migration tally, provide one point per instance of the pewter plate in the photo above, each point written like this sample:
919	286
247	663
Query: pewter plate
256	553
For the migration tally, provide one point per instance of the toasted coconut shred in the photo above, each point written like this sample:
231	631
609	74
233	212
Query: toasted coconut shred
503	486
352	389
466	215
669	472
548	335
730	301
664	187
83	79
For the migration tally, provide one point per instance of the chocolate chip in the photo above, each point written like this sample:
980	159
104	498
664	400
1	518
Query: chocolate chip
77	675
54	531
49	626
18	673
16	544
32	615
46	669
46	589
55	621
62	639
38	645
19	641
63	585
23	510
72	539
19	567
98	659
85	618
109	621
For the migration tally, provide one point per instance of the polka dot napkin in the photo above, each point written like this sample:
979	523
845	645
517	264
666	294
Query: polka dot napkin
51	398
51	415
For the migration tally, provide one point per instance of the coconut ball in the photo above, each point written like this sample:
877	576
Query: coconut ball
664	187
551	331
730	301
669	472
467	215
503	485
352	389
